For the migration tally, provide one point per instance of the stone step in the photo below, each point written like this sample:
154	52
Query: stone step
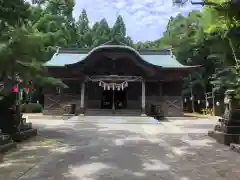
53	112
121	112
115	120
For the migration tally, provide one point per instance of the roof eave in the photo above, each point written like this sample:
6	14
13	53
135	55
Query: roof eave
189	68
54	66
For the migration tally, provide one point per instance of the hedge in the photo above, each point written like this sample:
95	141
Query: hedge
31	108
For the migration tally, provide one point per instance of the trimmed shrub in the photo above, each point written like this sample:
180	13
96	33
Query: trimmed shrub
31	108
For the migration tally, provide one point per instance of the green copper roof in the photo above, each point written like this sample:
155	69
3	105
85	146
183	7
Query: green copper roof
63	59
161	58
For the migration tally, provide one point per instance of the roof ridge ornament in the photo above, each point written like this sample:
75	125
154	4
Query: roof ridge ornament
58	49
113	41
171	52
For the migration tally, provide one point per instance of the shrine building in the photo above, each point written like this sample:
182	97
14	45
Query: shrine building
115	78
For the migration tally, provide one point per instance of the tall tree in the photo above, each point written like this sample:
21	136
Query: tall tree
101	32
119	29
85	38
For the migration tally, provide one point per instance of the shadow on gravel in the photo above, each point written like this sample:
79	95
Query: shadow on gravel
18	161
91	151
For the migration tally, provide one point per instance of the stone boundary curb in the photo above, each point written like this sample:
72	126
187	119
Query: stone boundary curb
180	118
7	147
52	117
64	117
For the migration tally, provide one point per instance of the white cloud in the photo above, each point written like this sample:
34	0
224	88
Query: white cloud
140	14
144	19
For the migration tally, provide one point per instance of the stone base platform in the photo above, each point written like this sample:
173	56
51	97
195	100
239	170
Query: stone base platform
218	136
235	147
224	138
23	135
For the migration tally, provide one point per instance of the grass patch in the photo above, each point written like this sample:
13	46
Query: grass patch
197	115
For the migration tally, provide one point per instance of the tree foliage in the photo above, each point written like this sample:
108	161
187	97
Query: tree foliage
31	33
210	38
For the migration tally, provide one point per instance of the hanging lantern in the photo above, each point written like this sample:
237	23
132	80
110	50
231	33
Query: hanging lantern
100	83
108	87
26	90
198	101
58	90
118	88
113	86
207	104
218	103
126	84
185	100
104	86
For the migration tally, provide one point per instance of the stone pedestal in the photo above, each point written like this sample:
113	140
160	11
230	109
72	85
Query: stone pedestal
25	131
227	131
224	138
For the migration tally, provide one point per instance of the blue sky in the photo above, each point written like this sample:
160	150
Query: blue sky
144	19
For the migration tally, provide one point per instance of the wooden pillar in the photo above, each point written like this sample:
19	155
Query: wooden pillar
113	101
82	99
143	107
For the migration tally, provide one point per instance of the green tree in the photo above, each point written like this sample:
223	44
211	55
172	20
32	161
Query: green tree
118	30
85	37
101	32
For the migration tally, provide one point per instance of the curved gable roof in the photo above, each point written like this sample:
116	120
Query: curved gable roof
160	58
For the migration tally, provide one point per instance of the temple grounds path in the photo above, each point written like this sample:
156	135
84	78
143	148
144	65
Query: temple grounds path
127	148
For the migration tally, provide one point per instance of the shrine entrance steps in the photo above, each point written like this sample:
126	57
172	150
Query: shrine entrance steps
97	112
116	119
117	112
53	111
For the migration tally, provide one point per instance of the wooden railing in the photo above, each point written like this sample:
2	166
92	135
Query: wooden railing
171	105
58	103
167	105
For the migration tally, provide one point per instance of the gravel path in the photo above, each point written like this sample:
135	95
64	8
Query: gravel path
129	148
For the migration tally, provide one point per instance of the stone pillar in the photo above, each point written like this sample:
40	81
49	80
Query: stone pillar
229	99
228	131
82	99
143	106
